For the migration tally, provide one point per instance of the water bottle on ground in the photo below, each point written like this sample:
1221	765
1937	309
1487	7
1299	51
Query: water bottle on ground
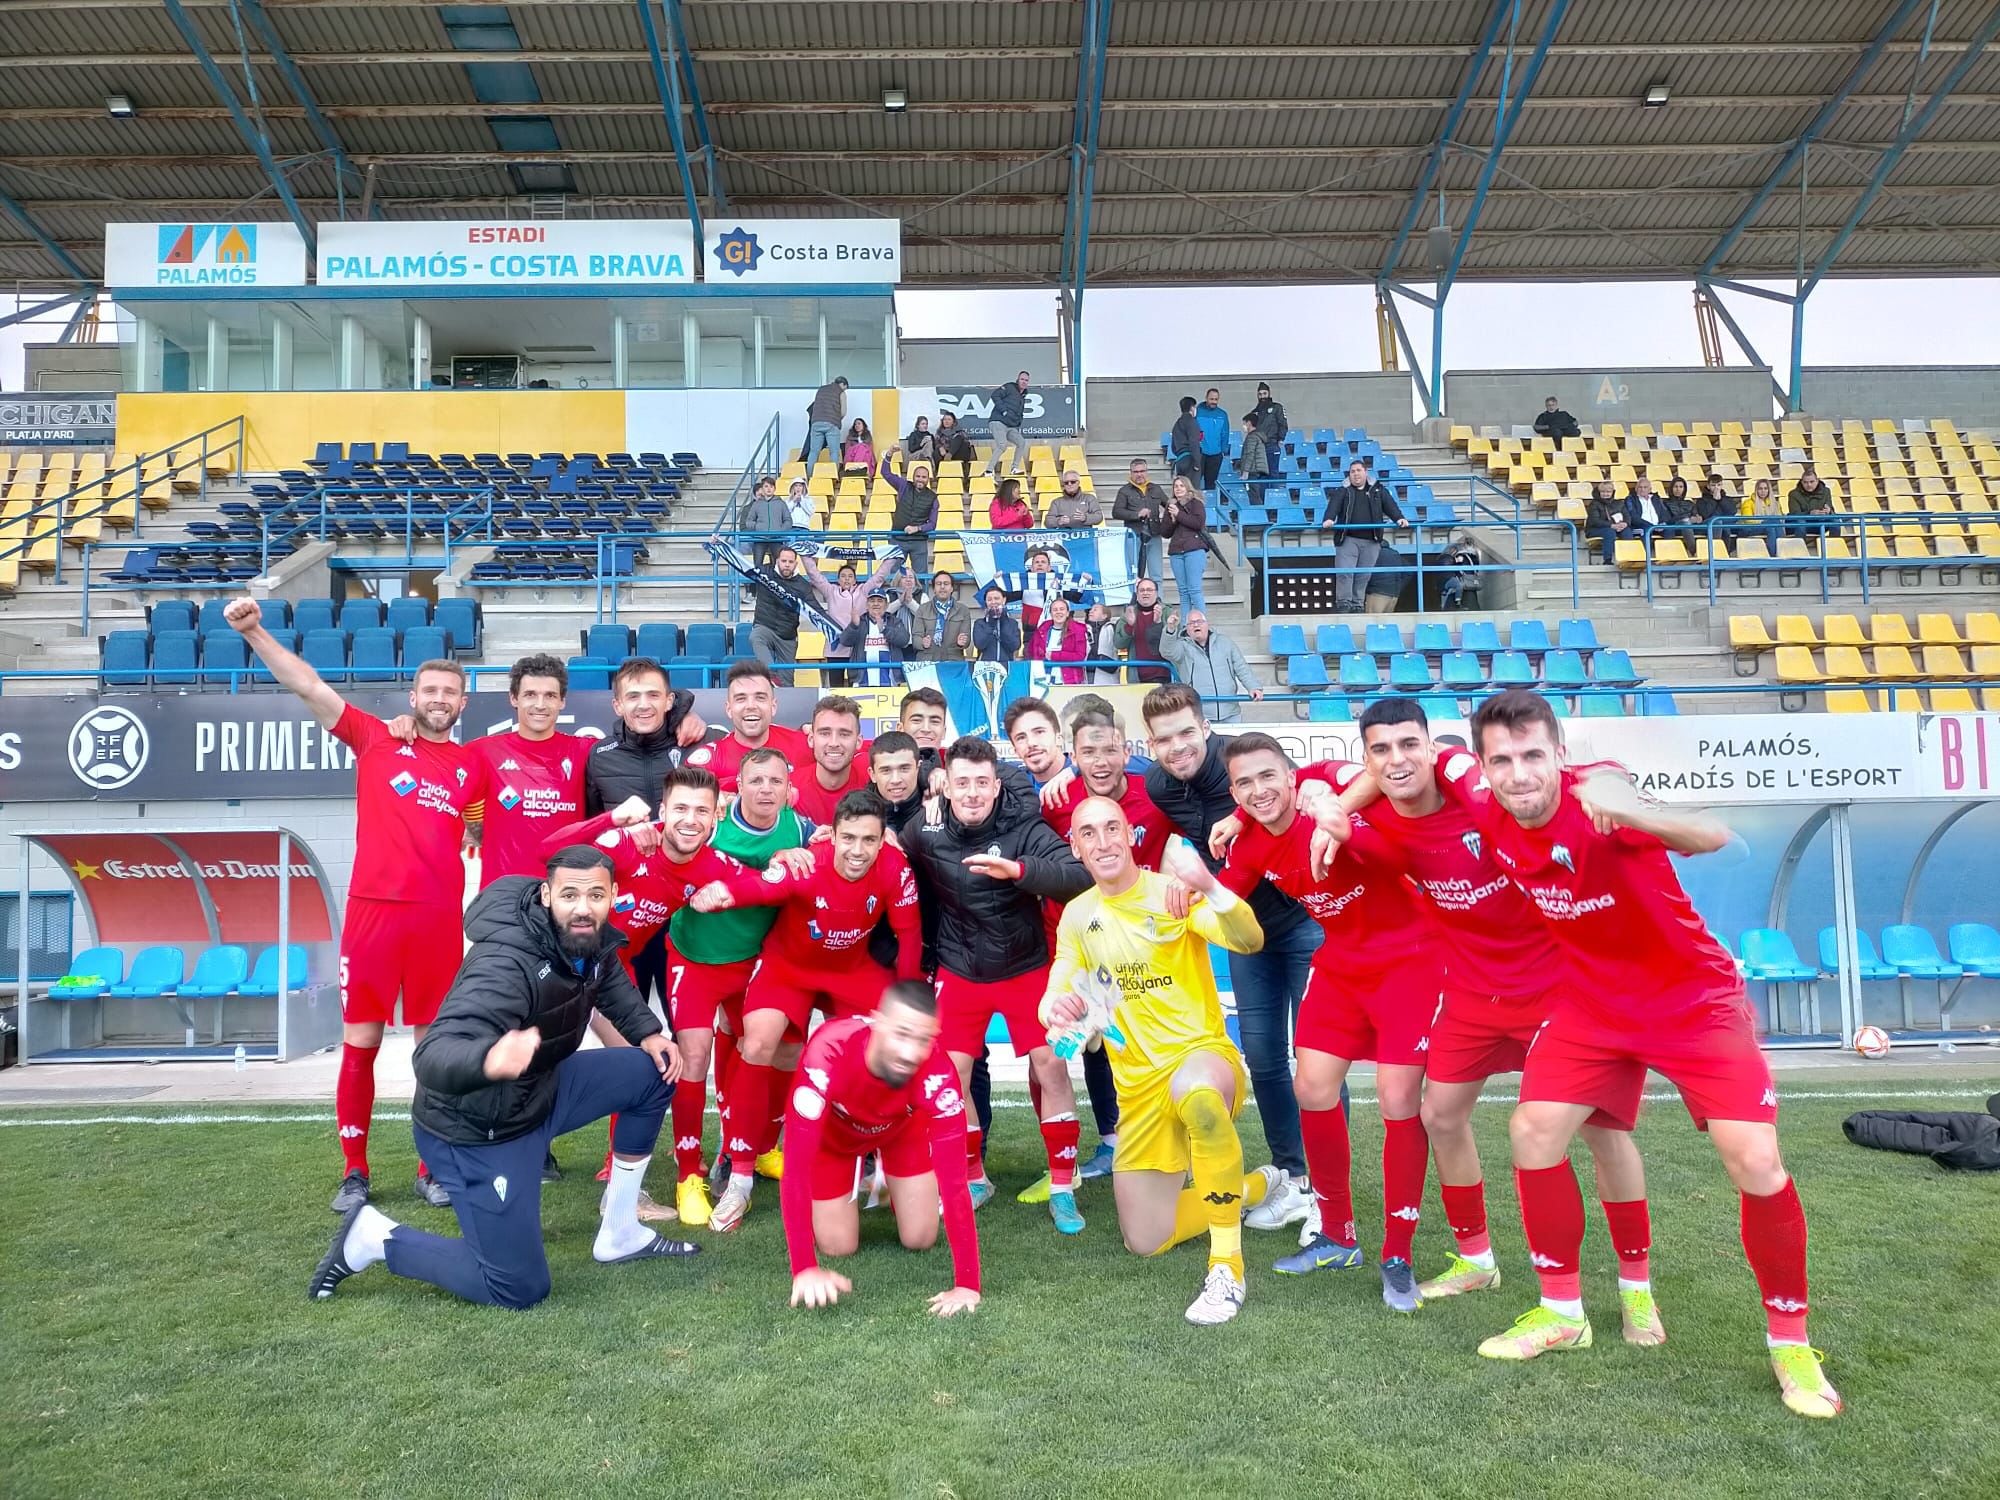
242	1058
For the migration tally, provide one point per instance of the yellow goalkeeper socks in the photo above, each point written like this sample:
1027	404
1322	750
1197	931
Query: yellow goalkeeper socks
1216	1155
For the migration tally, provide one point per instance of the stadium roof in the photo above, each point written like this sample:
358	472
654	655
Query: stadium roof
1235	142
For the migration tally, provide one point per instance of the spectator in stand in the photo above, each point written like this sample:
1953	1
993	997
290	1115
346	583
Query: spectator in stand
1642	506
1184	442
1767	513
801	507
880	640
845	601
1214	438
1554	422
1254	462
1391	575
1141	504
774	628
996	635
1105	643
954	445
916	513
1271	424
920	446
1811	497
1186	529
1010	406
1061	636
940	626
1717	505
1677	511
1210	663
1359	509
1139	632
1043	584
1009	512
1606	520
1075	508
823	418
766	521
857	454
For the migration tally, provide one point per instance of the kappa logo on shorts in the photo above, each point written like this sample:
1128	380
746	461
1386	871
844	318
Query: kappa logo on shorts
1770	1099
402	783
818	1077
932	1084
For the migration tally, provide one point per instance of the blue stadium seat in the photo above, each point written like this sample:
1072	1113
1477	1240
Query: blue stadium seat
1382	639
739	639
100	967
1577	635
263	980
122	658
1409	670
395	453
1913	951
1462	669
361	453
373	655
1288	640
211	619
1528	635
217	972
1359	673
1329	709
1871	965
407	613
1563	669
1438	706
225	660
360	614
589	674
459	619
1601	705
1612	664
1334	640
608	642
325	652
170	615
1658	705
312	614
1975	948
1768	956
174	659
707	641
1432	637
275	613
1306	670
422	643
260	675
155	972
1512	669
1479	635
659	639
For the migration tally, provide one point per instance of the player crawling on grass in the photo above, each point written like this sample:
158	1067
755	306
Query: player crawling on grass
878	1084
1653	990
1132	977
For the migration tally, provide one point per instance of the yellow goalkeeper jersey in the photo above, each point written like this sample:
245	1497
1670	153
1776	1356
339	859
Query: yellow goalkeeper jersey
1167	1006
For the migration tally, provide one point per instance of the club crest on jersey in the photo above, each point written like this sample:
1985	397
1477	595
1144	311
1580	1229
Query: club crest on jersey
567	767
774	873
872	904
1561	855
701	757
402	783
460	774
509	798
1473	843
993	849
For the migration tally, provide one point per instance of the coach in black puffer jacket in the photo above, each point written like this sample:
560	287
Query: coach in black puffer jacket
627	764
1961	1139
514	977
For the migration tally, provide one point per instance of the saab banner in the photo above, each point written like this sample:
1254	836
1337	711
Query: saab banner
134	747
508	252
201	255
57	421
1048	411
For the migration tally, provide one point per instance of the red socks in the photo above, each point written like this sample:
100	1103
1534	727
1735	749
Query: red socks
748	1114
1774	1237
354	1103
1631	1229
781	1092
690	1103
975	1164
1330	1163
1060	1136
1552	1216
1406	1155
1465	1211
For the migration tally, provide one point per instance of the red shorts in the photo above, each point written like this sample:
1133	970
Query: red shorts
855	991
1477	1035
1379	1016
1709	1052
966	1007
390	947
696	991
905	1152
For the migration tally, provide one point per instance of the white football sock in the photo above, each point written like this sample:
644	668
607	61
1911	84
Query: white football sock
1569	1307
1627	1285
1482	1259
619	1231
367	1238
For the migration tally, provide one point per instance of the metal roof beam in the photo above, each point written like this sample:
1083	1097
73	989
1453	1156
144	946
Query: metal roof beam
24	314
667	81
1914	127
718	195
1093	57
260	22
20	215
252	133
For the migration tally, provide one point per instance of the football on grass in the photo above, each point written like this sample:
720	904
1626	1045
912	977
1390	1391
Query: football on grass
1871	1041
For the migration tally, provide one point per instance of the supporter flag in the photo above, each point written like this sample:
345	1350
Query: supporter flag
1106	556
732	557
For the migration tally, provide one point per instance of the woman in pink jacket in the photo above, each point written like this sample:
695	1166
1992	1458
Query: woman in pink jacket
1009	512
1061	637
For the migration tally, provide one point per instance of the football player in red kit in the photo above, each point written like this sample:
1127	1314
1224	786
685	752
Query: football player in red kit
750	699
877	1083
839	760
1651	989
536	771
403	932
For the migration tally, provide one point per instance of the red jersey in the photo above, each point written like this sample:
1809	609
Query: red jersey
1368	910
1638	951
815	801
827	918
1150	828
1494	944
840	1108
725	756
651	887
411	805
536	786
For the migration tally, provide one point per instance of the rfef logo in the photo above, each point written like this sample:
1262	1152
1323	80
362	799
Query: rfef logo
107	749
207	244
738	251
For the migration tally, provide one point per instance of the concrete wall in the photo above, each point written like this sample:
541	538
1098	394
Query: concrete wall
987	362
72	367
1968	394
1135	410
1510	398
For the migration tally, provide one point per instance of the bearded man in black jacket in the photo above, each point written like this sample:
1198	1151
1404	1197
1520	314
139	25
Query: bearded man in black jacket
499	1077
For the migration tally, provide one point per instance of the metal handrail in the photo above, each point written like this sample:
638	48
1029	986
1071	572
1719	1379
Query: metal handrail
1861	525
1267	552
764	459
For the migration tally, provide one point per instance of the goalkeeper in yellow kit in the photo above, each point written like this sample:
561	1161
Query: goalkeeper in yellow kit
1131	975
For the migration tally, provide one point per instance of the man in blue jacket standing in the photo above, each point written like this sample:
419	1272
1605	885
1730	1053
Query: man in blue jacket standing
1214	437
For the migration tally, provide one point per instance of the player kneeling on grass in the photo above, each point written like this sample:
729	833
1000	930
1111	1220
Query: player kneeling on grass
1131	976
499	1077
877	1083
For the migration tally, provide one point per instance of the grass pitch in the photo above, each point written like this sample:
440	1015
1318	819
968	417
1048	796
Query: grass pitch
158	1341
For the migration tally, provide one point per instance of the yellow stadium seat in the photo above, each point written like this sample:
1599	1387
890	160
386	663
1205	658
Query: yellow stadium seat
1848	701
1748	633
1842	630
1890	630
1894	663
1902	701
1792	549
1572	510
1844	664
1942	662
1630	556
1461	437
1752	549
1952	701
1796	664
1797	630
1670	552
1982	628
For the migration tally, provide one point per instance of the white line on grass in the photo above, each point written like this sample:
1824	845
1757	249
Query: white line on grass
1971	1091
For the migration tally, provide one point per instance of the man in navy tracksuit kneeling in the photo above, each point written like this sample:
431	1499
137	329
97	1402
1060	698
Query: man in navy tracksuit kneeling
499	1076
